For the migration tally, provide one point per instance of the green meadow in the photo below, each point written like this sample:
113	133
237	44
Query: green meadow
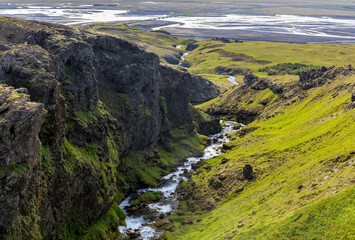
255	55
304	168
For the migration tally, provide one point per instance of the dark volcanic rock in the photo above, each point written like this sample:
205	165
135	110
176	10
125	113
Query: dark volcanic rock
209	127
260	85
172	59
248	172
20	123
201	89
215	183
191	47
225	160
232	71
318	77
312	78
226	147
249	79
104	96
173	89
185	64
41	84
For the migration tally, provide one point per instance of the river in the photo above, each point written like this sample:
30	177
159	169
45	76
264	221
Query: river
142	224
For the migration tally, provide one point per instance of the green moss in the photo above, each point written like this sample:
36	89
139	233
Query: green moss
45	157
95	116
147	111
162	106
141	168
69	72
106	227
147	197
14	170
14	96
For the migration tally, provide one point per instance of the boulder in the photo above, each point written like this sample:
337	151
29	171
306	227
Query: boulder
248	172
249	79
215	184
191	47
225	160
186	64
226	147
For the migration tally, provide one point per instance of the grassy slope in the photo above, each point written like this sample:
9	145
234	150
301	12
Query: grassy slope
253	54
308	142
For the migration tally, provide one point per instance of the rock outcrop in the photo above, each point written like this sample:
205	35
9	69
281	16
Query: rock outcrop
252	81
20	124
21	121
318	77
248	172
232	71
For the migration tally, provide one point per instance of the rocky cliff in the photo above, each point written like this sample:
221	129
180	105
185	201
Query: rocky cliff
83	101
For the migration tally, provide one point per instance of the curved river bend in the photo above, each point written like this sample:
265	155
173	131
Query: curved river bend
142	224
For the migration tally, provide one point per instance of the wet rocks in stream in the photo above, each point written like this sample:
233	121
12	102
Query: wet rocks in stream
140	205
151	211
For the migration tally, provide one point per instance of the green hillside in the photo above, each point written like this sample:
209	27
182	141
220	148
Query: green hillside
301	147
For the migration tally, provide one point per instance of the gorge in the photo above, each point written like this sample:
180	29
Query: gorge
104	135
98	100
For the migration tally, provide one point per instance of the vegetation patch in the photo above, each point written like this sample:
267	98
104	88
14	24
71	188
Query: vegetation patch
287	68
146	197
144	169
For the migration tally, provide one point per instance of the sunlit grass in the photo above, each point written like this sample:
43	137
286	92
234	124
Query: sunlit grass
308	143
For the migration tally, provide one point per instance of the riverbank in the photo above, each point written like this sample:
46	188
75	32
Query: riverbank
140	223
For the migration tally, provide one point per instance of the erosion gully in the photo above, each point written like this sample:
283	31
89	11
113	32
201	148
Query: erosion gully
140	224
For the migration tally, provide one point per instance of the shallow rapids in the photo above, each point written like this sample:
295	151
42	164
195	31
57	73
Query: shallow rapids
141	225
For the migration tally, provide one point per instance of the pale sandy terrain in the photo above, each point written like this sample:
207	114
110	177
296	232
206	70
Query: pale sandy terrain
305	11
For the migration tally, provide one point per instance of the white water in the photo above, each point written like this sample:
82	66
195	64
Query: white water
168	202
282	24
232	80
329	28
184	55
68	15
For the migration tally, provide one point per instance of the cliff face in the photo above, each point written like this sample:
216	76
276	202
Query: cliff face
104	98
20	123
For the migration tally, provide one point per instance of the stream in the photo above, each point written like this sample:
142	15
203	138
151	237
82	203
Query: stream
232	80
141	225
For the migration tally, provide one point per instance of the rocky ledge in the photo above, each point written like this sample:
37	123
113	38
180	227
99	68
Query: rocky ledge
20	124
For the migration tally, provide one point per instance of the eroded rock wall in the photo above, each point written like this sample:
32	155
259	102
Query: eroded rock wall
104	98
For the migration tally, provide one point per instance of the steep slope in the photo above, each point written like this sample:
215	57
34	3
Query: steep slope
105	99
159	42
301	150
